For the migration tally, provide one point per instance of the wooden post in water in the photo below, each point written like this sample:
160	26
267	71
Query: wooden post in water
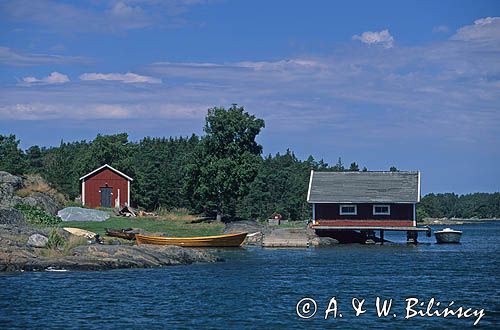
381	236
411	237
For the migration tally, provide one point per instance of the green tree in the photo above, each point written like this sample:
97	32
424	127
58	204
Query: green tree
365	169
226	160
158	167
12	158
279	187
354	167
34	158
113	150
393	169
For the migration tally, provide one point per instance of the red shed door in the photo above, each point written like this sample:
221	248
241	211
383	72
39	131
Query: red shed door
106	196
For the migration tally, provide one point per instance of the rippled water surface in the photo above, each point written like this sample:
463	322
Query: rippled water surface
259	288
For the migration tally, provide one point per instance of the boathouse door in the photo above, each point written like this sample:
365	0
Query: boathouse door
106	197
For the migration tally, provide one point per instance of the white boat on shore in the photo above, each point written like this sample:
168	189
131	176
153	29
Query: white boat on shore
448	235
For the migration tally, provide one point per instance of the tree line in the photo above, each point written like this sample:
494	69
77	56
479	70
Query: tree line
220	173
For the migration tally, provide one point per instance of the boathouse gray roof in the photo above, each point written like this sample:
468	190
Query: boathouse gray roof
364	187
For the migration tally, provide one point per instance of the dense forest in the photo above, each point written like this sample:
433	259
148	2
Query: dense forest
220	173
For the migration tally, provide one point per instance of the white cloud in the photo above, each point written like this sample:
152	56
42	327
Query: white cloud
383	38
10	56
53	78
128	77
483	29
90	110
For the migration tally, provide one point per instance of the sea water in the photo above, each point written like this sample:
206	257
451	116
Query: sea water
256	288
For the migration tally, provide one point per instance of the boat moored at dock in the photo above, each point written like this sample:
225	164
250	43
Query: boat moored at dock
448	235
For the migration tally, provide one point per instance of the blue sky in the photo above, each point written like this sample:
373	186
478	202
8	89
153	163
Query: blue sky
415	84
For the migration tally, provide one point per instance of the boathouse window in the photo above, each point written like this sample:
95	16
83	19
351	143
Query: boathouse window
381	209
348	209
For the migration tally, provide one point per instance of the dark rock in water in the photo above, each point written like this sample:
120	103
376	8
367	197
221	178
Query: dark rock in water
11	217
37	240
324	241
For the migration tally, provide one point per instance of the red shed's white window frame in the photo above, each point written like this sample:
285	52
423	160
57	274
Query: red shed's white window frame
375	212
342	212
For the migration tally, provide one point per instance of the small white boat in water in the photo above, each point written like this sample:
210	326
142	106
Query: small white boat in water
448	235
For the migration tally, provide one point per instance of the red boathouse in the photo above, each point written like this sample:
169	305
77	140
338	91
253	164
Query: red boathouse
105	187
365	201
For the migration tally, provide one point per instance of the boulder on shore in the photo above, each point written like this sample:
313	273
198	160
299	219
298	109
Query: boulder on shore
38	241
82	214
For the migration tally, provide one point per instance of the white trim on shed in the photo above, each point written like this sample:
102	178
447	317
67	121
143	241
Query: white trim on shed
310	183
111	168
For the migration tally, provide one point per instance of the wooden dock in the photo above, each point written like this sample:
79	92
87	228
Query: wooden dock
286	237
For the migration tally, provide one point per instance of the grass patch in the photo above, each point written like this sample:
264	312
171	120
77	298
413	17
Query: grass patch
171	226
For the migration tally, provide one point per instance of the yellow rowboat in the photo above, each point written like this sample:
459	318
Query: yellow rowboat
227	240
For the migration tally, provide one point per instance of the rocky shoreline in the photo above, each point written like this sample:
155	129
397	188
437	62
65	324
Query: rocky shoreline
17	254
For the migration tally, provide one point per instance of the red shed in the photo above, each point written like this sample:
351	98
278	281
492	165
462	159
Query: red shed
105	187
365	202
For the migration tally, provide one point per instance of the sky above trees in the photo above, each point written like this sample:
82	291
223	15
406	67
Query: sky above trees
413	84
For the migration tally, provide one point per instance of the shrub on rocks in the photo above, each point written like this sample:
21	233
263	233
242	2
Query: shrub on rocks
35	215
55	241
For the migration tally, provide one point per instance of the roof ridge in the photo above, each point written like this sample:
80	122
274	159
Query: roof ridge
106	166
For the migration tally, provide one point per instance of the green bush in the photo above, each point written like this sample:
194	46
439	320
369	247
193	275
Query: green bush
36	215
